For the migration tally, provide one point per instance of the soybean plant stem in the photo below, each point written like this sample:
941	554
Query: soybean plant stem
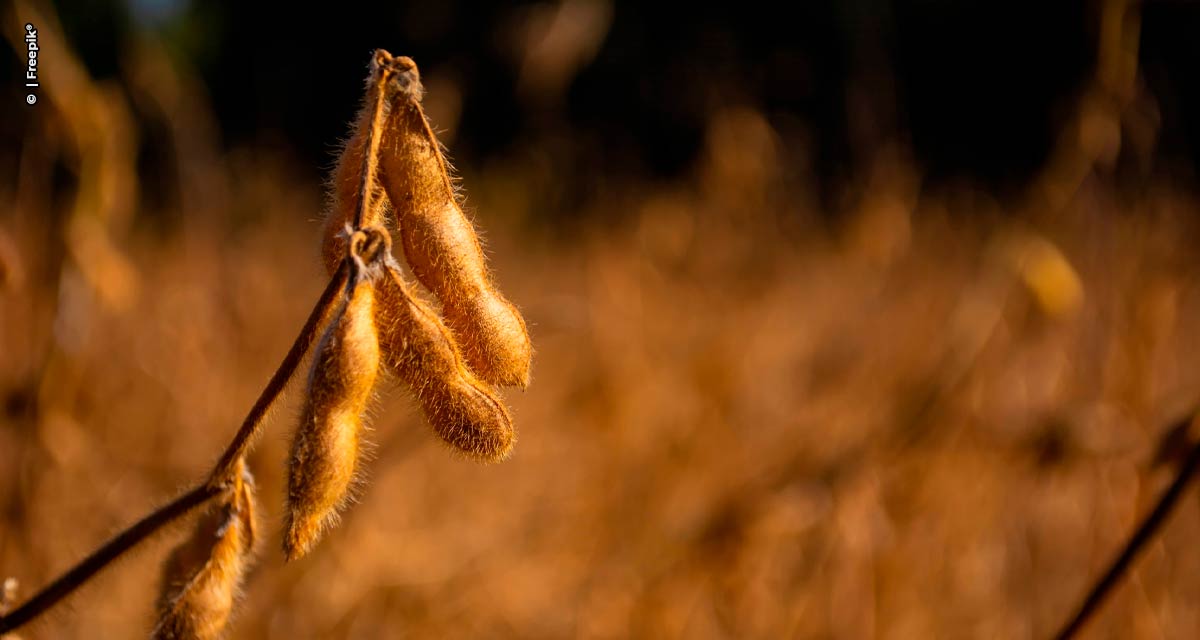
370	160
102	557
216	484
251	425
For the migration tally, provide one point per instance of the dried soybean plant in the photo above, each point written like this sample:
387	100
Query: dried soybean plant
391	177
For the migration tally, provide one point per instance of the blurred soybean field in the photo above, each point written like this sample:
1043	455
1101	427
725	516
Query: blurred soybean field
852	320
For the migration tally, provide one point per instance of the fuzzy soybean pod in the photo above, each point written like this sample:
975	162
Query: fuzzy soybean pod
418	348
355	199
201	577
440	243
327	444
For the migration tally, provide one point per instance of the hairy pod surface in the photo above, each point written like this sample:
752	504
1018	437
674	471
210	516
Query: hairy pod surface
201	577
417	347
441	245
356	165
326	447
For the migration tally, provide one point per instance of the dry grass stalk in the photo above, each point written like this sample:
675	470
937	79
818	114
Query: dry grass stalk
8	595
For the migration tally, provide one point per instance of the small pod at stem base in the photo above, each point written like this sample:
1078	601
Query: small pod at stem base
201	577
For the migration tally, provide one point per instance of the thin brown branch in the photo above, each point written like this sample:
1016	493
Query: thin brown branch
251	425
1144	533
105	555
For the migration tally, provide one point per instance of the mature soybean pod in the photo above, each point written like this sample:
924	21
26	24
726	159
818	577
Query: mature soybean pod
464	410
355	163
441	245
326	446
344	197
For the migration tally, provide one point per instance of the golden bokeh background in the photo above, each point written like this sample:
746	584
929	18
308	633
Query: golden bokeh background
937	414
